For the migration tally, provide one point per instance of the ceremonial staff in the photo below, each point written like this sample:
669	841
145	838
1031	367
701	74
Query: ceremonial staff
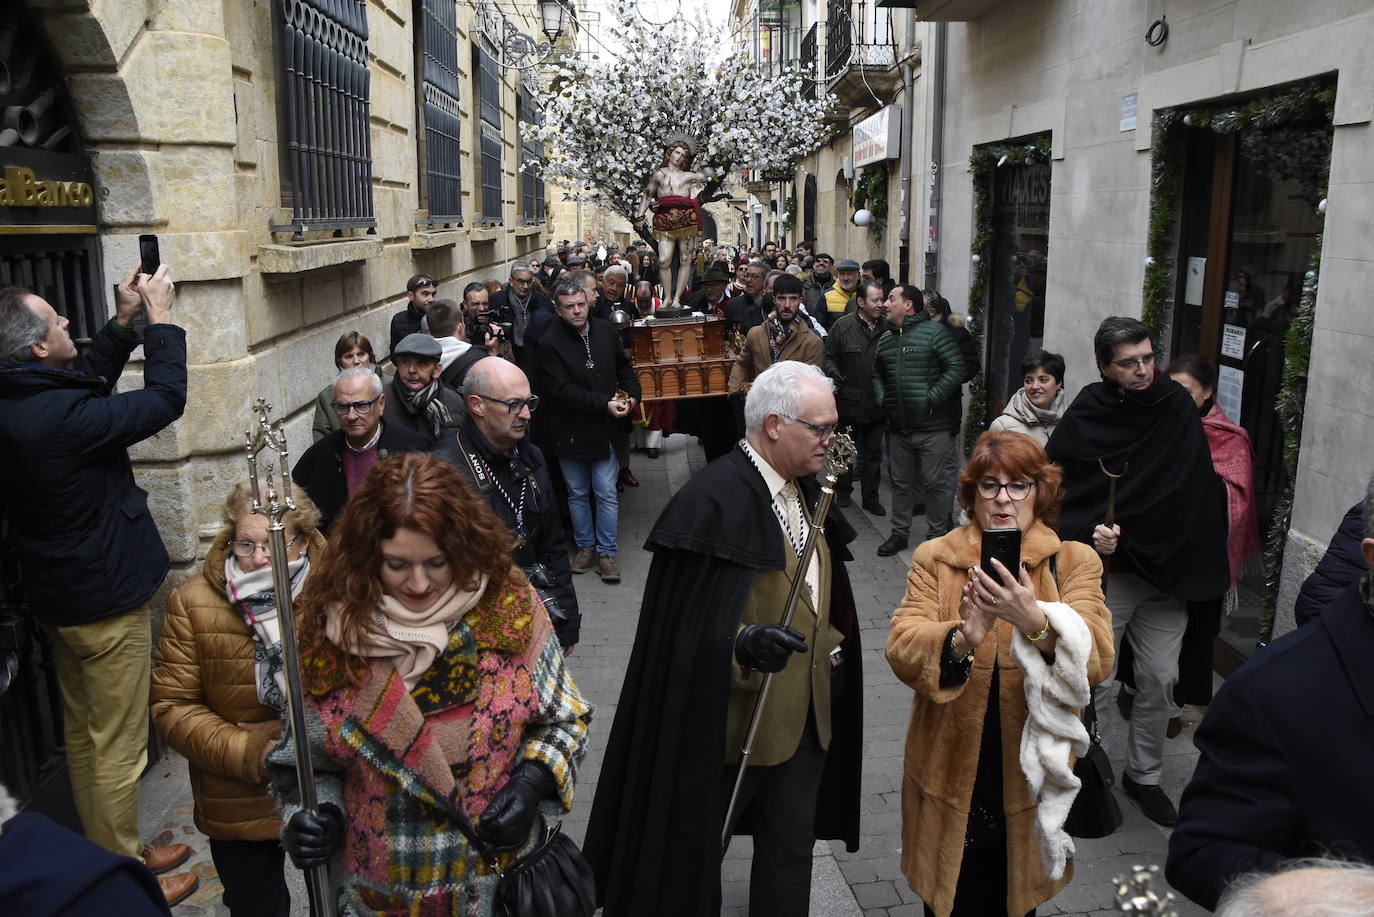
839	458
275	503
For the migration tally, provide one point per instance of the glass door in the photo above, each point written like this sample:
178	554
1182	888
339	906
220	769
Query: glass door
1016	295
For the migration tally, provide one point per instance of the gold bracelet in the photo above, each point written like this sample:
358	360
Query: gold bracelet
1039	635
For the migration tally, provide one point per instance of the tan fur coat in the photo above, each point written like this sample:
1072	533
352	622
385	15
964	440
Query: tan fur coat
946	726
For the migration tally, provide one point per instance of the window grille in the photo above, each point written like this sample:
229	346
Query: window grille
531	150
326	96
489	132
440	152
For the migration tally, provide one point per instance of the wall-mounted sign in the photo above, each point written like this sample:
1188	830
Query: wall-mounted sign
1233	341
20	187
878	137
41	188
1130	105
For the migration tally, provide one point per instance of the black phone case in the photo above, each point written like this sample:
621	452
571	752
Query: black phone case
1003	544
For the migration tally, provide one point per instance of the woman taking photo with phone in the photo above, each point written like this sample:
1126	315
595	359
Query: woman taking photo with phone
982	832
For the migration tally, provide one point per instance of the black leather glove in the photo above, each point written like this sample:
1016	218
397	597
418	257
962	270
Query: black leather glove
506	823
767	648
311	838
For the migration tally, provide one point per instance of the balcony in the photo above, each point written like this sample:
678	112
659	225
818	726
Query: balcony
808	58
860	54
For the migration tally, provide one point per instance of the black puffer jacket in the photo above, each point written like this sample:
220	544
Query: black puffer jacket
916	376
849	351
88	545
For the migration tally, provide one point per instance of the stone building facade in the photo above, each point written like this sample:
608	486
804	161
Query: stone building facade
183	111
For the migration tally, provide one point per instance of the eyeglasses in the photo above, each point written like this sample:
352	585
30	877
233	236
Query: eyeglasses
1147	360
515	404
988	489
823	433
362	407
245	549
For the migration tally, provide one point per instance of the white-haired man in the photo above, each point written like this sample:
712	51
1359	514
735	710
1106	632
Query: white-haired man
614	283
528	312
726	551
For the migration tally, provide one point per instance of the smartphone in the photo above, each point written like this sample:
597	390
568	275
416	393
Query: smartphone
1005	545
149	260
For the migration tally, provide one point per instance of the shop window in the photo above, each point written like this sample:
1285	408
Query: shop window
324	104
440	149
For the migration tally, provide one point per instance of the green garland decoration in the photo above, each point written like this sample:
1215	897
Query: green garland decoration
1304	108
790	213
871	192
983	164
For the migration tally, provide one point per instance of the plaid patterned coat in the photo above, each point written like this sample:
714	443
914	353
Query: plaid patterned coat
399	762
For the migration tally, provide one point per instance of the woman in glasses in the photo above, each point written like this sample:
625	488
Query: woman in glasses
218	693
998	670
438	703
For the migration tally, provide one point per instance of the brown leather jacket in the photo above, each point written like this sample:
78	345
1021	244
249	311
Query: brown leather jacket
203	687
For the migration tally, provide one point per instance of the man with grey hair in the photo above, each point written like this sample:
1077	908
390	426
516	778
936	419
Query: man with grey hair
334	467
612	296
87	545
1314	887
727	549
529	313
1285	752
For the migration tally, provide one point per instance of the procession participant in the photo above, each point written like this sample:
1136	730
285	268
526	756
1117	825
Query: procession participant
219	694
818	283
726	549
780	338
334	467
677	220
712	295
747	310
1167	545
493	451
445	320
420	292
435	694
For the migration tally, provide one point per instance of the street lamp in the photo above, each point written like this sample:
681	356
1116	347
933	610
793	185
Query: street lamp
552	14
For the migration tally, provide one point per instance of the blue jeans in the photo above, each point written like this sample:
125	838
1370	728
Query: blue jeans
596	478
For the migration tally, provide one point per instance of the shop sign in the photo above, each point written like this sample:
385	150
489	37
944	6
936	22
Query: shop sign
878	137
40	188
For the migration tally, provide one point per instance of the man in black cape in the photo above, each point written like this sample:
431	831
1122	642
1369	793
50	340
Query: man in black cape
1168	543
726	539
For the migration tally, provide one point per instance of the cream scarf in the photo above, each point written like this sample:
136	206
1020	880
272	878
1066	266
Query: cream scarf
411	640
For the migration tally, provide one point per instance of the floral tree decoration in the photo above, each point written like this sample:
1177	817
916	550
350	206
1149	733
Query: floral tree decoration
605	120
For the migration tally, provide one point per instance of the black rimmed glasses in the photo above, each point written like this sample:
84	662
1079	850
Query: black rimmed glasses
822	433
988	489
515	404
1133	362
245	549
362	407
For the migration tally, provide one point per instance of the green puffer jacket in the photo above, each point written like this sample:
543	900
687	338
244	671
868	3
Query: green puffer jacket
916	376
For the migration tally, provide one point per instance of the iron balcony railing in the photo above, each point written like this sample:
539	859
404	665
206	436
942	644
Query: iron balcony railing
807	59
327	97
857	34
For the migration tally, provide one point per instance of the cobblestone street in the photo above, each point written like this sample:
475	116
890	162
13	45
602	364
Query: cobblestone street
867	882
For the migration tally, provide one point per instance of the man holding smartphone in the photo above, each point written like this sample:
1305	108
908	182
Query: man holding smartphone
89	548
1133	445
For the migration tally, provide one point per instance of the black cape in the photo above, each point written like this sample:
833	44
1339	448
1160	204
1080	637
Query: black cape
1170	504
654	835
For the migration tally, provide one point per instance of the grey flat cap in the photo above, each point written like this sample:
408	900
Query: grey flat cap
418	345
847	264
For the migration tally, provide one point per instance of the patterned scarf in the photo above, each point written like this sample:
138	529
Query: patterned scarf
256	599
411	640
778	333
428	403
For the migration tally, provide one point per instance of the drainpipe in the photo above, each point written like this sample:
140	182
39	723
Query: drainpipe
907	161
937	154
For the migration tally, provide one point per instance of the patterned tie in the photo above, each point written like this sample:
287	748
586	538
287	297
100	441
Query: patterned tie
792	516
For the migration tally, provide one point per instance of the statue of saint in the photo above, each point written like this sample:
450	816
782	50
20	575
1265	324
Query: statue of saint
677	218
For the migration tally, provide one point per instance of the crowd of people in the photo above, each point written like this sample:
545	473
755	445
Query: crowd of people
459	483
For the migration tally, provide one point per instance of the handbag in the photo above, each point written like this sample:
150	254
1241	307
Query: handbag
1095	811
552	880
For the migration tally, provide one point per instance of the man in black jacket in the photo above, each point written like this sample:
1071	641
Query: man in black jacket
420	292
89	548
417	400
529	314
493	450
589	383
848	360
747	310
335	466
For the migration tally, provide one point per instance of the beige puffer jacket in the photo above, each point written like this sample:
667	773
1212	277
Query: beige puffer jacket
203	686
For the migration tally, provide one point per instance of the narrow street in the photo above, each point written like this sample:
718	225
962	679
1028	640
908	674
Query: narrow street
868	882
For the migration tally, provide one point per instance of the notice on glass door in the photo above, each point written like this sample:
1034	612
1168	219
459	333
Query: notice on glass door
1192	286
1233	342
1230	389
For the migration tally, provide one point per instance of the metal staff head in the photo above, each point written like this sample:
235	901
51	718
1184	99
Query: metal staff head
275	502
839	459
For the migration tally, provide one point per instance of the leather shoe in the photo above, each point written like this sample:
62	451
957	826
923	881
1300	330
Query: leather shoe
160	859
874	507
627	477
893	544
1152	801
607	569
1175	727
178	888
843	500
583	560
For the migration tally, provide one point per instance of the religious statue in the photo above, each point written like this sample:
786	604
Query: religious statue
677	220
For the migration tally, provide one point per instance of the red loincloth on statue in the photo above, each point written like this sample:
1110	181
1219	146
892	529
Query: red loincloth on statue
677	217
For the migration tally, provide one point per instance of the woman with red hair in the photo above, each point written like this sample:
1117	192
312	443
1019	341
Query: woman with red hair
999	672
436	694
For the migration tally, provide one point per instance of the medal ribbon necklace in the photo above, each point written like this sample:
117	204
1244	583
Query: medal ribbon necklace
587	344
517	508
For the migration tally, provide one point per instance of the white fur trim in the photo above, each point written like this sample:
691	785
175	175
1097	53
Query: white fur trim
1054	695
8	807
